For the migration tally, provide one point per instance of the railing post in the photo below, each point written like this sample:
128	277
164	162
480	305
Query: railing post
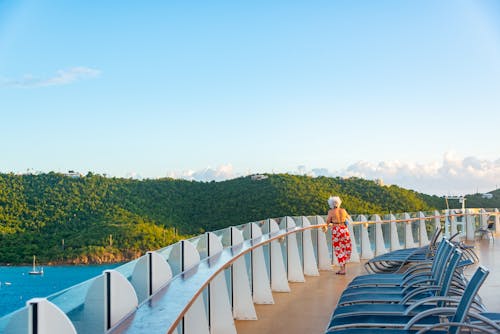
422	229
220	316
453	223
483	218
109	299
366	247
395	245
195	320
279	282
497	221
437	224
46	318
470	226
379	237
262	293
295	273
150	273
409	242
354	247
310	267
243	308
324	260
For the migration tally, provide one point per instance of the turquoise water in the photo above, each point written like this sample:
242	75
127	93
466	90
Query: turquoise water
17	286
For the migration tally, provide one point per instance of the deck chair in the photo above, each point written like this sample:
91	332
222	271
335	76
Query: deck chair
394	261
417	270
453	317
480	322
405	307
485	320
403	295
489	231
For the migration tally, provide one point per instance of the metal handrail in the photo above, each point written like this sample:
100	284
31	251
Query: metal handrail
171	317
409	220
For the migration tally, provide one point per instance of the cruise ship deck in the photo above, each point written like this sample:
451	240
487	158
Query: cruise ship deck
308	307
249	271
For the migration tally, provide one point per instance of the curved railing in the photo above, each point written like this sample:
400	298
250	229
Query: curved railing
202	284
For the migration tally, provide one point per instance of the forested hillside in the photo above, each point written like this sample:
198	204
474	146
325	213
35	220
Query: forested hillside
94	219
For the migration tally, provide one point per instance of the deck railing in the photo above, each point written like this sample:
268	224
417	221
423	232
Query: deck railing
202	284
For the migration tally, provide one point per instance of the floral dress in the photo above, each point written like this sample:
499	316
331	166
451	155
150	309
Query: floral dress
341	239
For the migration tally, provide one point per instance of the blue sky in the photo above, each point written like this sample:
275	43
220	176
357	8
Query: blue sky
406	91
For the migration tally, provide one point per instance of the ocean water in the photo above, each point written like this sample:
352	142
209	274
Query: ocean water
17	286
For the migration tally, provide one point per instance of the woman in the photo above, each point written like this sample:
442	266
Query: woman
341	240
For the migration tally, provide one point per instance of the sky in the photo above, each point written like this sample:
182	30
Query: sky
403	91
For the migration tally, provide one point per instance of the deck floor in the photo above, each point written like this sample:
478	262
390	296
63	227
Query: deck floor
307	308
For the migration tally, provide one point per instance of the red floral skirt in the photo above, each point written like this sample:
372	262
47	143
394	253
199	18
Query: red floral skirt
341	241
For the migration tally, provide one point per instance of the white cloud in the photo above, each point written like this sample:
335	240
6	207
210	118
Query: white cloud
221	173
62	77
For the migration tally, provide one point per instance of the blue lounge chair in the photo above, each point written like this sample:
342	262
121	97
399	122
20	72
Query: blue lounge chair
417	271
398	260
408	324
411	289
394	261
436	299
397	278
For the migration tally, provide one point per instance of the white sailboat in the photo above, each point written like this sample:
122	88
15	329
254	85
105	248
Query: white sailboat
35	271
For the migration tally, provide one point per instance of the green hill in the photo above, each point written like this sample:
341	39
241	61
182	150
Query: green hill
94	219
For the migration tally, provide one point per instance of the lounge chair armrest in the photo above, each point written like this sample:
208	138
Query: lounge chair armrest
427	300
439	311
418	291
416	267
419	281
479	328
374	284
484	320
408	279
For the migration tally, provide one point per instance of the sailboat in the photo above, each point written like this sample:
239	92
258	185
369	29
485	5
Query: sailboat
35	271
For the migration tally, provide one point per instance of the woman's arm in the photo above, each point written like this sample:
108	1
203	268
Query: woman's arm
329	217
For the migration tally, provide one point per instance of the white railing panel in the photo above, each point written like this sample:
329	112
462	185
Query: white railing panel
279	282
423	237
243	307
310	266
497	222
123	297
354	248
379	237
470	225
366	247
150	273
49	318
409	241
262	293
324	259
195	320
221	316
483	218
437	225
295	273
395	244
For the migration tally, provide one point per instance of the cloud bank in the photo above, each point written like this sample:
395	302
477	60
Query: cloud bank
452	176
220	173
62	77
